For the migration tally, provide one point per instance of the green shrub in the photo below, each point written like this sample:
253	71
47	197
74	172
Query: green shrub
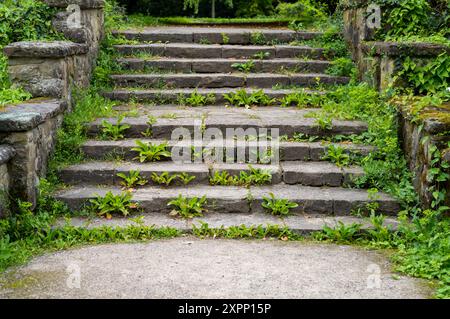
301	10
254	8
22	20
429	78
414	18
408	17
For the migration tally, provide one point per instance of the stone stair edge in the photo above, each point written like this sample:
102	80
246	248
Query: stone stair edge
289	172
228	199
296	223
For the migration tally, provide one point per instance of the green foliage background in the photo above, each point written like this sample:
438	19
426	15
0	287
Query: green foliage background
241	8
21	20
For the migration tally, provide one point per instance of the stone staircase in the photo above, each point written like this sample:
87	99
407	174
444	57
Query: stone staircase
166	63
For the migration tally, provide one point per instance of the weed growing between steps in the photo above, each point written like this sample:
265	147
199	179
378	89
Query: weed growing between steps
149	152
166	179
278	206
132	179
245	232
242	98
114	132
109	204
195	99
188	208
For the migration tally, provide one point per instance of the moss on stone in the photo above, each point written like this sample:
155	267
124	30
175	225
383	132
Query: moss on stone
440	114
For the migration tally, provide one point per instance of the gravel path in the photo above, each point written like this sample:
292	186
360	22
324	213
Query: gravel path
188	267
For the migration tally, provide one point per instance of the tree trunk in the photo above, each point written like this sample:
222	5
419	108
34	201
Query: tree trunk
213	9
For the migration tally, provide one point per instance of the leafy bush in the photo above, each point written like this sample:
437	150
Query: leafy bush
403	19
301	10
170	8
12	96
21	20
253	8
407	17
429	78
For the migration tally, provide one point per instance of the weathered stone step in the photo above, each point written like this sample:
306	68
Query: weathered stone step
216	51
219	80
215	35
299	224
289	151
165	96
294	172
287	120
222	65
106	172
227	199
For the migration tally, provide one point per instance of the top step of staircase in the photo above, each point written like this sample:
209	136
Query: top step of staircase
216	35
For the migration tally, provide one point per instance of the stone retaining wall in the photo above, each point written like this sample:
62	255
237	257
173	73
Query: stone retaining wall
7	152
377	64
30	129
418	133
49	71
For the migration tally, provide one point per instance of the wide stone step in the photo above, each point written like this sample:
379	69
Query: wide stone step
164	96
215	35
220	80
294	172
222	65
287	120
216	51
246	150
298	223
226	199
